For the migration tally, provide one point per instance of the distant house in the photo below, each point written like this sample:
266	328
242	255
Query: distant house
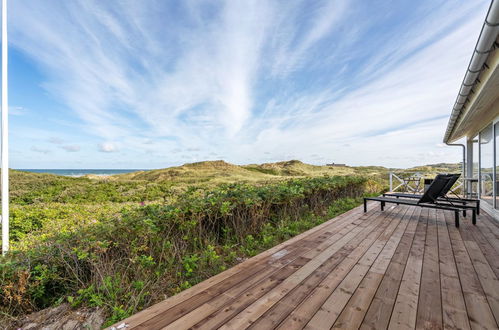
338	165
475	115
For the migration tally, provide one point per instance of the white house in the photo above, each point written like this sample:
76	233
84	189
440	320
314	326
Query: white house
475	115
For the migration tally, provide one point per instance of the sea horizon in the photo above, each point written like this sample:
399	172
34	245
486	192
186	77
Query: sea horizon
80	171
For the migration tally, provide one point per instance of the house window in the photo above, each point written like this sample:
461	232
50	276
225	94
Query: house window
486	164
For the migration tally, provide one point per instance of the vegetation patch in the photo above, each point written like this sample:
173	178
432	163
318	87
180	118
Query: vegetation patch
126	258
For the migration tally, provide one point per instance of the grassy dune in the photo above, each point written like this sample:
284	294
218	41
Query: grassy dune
216	172
124	242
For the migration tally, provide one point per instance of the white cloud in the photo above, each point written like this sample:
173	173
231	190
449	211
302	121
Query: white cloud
108	147
250	79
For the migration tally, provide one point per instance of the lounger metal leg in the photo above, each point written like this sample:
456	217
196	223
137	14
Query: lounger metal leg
473	219
464	213
382	206
365	205
478	207
398	198
456	218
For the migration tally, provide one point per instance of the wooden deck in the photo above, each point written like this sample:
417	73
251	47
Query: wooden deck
403	268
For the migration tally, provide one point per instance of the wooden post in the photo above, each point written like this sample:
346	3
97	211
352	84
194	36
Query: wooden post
5	135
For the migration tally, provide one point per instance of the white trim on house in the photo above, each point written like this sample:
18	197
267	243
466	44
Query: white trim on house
473	78
492	209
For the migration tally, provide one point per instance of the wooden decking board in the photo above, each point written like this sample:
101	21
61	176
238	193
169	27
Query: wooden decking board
490	230
487	249
486	275
379	312
285	306
258	308
218	317
405	267
489	281
354	312
299	317
405	309
429	314
477	307
454	314
488	234
327	314
490	248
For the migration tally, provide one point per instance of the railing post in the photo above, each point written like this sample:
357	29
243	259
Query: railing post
391	182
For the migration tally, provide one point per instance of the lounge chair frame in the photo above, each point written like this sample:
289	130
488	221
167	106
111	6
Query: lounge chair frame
443	195
430	199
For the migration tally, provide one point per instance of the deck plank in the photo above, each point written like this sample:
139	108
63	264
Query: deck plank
258	308
488	250
429	315
454	314
478	309
285	306
403	268
485	274
487	230
405	309
308	307
379	312
354	312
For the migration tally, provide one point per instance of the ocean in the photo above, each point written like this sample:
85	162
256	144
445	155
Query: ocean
80	172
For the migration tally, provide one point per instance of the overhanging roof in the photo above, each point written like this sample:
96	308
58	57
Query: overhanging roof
479	86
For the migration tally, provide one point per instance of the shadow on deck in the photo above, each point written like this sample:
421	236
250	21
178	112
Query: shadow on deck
405	267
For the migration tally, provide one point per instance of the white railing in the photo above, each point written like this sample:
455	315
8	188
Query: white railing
413	182
406	182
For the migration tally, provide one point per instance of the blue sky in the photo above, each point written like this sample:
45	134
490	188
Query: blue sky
153	83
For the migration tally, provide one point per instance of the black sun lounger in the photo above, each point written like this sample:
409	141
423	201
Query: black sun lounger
443	194
429	200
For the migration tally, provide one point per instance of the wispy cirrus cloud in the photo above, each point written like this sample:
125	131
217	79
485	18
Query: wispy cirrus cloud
17	111
40	150
253	80
71	148
55	140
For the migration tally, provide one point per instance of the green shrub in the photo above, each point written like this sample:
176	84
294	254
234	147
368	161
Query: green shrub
130	260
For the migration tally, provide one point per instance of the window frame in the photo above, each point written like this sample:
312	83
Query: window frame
495	193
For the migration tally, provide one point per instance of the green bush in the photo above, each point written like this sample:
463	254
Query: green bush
31	188
128	261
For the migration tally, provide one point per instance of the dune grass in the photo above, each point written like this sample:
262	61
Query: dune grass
124	242
123	256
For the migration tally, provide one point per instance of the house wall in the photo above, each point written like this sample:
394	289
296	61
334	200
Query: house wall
487	187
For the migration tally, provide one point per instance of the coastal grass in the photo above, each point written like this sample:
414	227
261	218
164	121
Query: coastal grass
125	255
211	173
124	242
